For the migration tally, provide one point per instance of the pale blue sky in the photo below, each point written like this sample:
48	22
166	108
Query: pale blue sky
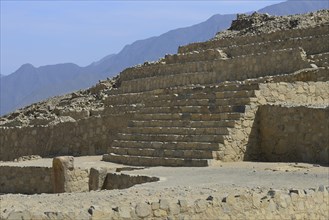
51	32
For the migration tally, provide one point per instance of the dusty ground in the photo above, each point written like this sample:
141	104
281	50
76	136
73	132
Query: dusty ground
187	183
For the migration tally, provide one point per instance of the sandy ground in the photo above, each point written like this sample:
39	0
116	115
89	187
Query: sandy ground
83	162
175	183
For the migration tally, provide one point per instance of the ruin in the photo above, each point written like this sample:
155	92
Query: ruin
256	92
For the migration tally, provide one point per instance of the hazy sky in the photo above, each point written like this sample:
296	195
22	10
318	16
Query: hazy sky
51	32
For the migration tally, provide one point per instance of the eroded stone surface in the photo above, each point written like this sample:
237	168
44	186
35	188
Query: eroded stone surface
61	168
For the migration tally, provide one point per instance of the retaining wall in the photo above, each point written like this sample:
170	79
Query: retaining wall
294	134
207	72
243	40
276	204
311	44
28	180
244	141
32	180
84	137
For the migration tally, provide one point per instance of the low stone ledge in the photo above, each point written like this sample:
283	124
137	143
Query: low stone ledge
27	180
274	204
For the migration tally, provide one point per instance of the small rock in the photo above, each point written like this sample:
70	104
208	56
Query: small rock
273	193
322	188
200	205
183	205
174	209
164	204
91	210
155	205
210	198
115	208
143	210
54	215
309	191
314	66
14	215
297	191
160	213
124	212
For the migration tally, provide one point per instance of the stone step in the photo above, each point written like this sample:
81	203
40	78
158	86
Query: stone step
134	98
147	152
188	116
194	109
120	108
176	130
115	96
162	68
201	102
154	161
212	109
173	145
182	123
171	137
281	36
222	52
239	50
208	72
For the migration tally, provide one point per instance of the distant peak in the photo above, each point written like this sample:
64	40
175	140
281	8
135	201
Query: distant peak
27	65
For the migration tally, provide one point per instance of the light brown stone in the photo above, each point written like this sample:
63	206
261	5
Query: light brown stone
61	167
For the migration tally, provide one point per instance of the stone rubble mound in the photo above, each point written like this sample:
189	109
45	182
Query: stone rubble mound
65	108
255	24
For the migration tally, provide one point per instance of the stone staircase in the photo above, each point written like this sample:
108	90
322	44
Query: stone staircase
186	106
181	126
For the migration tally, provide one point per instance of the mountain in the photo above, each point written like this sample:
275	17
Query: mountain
295	7
30	84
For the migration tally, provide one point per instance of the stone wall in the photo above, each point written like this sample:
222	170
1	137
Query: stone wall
124	181
243	40
28	180
84	137
294	94
207	72
243	141
311	44
31	180
276	204
291	61
294	134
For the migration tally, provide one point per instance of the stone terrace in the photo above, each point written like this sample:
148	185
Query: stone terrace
189	107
